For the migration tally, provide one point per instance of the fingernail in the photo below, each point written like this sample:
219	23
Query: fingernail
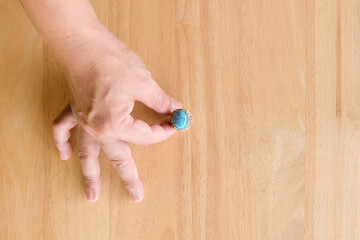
175	104
136	196
63	156
90	194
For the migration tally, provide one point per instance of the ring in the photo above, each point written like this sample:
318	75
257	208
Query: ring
181	119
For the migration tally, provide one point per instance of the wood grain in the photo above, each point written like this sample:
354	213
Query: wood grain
274	149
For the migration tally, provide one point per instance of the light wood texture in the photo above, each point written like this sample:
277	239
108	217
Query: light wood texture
274	150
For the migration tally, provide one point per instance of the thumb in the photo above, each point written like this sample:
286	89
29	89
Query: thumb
158	100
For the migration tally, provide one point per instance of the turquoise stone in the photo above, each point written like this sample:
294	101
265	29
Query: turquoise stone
180	119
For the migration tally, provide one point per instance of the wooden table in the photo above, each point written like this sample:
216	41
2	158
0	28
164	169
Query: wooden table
274	150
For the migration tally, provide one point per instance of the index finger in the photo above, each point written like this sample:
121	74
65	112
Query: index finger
139	132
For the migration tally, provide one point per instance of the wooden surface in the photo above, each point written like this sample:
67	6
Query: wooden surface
274	150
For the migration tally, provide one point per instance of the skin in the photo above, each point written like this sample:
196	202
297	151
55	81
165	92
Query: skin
105	78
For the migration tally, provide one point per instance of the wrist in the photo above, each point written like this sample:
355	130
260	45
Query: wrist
82	49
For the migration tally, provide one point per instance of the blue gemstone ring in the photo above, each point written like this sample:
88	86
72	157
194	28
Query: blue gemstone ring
181	119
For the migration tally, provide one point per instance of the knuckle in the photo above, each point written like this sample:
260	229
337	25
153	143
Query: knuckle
91	173
142	77
120	163
89	180
104	130
102	127
83	157
88	151
129	184
117	164
161	99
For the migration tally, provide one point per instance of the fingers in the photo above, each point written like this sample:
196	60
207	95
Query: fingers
120	157
61	132
157	99
139	132
89	150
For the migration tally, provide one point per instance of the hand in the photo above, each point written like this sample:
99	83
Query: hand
105	78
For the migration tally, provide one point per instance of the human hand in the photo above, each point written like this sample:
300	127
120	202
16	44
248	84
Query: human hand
105	78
